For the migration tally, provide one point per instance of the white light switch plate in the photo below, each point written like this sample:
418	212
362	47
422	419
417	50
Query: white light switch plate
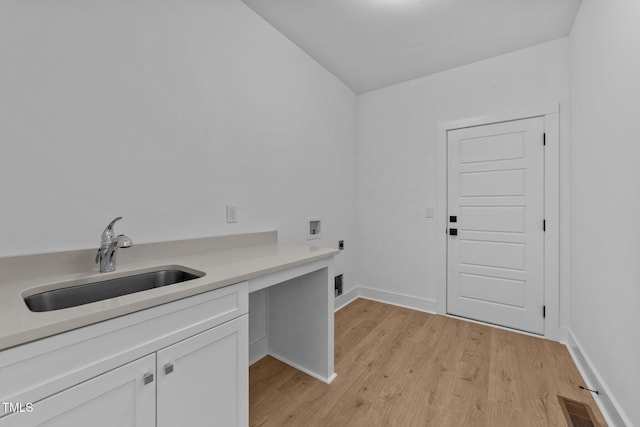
232	213
428	212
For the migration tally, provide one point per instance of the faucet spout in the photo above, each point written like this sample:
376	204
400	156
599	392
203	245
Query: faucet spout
109	245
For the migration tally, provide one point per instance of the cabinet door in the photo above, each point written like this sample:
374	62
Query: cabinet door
117	398
203	380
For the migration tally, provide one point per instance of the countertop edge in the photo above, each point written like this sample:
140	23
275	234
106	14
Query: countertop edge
277	257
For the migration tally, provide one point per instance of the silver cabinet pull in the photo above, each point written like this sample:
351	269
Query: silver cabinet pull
168	368
148	378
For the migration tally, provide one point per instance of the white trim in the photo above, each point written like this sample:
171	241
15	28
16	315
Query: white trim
303	369
413	303
258	350
552	329
401	300
281	276
609	407
345	299
499	117
565	220
493	325
392	298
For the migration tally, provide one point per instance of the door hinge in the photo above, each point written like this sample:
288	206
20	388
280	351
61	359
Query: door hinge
544	311
544	225
544	139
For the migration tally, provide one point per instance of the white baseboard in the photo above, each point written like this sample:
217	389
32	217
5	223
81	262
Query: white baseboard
303	369
401	300
604	399
258	350
345	299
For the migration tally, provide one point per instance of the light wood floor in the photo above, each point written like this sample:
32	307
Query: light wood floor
400	367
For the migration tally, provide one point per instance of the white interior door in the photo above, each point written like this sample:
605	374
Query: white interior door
495	268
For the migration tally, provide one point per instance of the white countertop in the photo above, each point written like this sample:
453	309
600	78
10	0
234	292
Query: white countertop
224	261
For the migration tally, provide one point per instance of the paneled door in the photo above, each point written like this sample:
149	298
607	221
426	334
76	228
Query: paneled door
495	249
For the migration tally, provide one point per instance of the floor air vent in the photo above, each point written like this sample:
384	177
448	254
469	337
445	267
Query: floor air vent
577	414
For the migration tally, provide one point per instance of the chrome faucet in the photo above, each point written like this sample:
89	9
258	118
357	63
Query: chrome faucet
109	245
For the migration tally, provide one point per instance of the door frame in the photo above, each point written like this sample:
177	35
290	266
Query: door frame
551	115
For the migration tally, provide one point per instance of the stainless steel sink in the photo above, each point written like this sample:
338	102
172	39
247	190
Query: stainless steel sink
73	296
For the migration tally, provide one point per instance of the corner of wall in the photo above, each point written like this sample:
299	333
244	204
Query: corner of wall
606	402
345	299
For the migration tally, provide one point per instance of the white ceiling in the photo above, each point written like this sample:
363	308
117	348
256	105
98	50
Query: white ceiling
369	44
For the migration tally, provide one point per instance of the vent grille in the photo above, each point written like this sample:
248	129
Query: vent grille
577	414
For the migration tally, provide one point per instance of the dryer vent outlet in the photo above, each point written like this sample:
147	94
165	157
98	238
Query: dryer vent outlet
338	285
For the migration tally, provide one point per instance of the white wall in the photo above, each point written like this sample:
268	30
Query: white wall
163	111
605	201
397	137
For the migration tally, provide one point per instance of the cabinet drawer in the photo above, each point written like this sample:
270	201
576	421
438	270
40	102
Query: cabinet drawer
36	370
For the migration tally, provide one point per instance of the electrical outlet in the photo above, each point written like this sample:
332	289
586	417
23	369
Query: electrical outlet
232	214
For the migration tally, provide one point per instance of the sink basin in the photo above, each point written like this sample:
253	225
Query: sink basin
73	296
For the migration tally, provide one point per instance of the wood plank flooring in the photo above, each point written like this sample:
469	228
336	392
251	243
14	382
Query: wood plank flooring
400	367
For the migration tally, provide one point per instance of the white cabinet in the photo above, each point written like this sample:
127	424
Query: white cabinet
116	398
182	363
203	380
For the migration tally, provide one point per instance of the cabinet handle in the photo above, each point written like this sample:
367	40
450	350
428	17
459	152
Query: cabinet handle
148	378
168	368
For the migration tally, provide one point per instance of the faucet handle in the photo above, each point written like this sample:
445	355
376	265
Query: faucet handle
110	226
108	234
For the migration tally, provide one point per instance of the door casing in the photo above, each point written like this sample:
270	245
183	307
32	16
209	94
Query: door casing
551	115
